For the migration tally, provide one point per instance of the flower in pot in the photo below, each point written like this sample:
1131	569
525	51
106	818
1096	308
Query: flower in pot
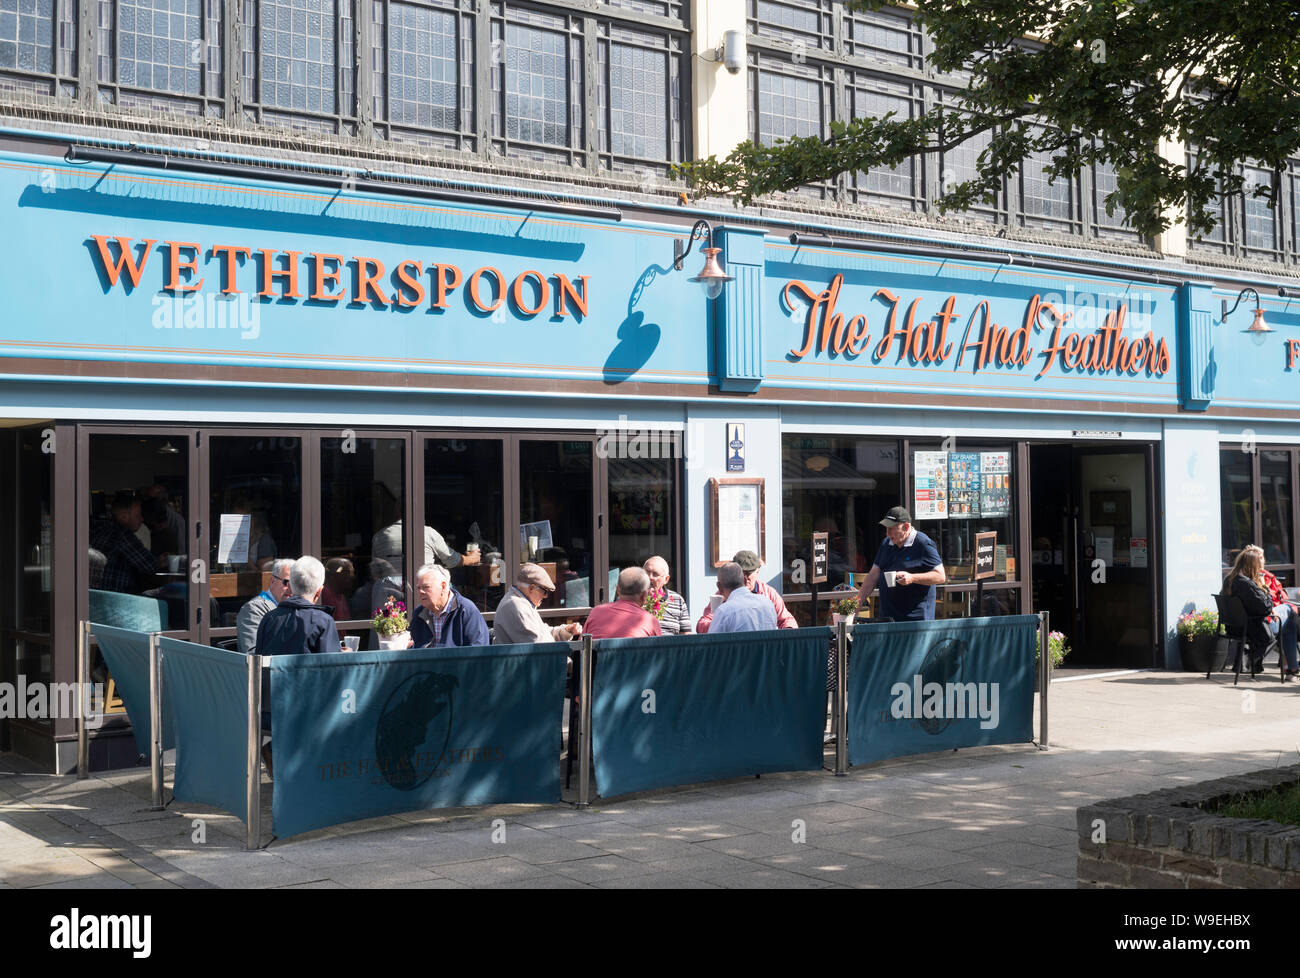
391	624
1058	647
1198	640
845	609
655	600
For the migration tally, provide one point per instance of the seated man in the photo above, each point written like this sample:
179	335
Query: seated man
741	610
255	609
625	617
749	563
677	618
298	624
517	620
445	618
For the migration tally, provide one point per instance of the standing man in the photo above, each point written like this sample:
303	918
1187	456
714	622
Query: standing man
749	563
676	619
625	617
445	618
255	609
298	624
741	610
517	620
914	561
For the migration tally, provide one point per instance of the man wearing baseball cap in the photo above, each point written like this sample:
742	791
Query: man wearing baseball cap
517	620
749	563
912	561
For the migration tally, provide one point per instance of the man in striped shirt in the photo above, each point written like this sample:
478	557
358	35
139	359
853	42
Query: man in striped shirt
676	619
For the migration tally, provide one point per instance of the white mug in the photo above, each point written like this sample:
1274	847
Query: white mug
890	577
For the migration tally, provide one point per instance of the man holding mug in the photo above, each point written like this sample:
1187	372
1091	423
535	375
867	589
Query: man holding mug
910	565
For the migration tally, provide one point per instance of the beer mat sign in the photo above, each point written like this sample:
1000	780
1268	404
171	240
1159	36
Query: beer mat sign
820	557
986	546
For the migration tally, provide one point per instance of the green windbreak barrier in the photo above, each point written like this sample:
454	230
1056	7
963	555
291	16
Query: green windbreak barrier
680	710
127	654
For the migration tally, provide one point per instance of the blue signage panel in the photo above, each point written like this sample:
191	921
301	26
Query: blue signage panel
1254	370
360	734
922	686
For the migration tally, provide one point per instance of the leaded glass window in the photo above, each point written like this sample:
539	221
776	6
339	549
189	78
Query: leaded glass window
38	46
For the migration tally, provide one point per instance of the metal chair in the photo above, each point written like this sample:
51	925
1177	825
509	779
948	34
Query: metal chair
1232	615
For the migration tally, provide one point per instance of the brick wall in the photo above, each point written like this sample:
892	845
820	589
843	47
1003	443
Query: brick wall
1164	840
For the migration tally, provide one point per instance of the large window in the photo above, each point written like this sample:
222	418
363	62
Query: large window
298	64
1259	505
162	54
1250	226
38	46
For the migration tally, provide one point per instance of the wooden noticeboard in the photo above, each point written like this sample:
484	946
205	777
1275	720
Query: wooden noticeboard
986	547
821	557
739	514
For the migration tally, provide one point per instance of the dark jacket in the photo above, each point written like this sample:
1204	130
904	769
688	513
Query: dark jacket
295	626
464	626
1258	607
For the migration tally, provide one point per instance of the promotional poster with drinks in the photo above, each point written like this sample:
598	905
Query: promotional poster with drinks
961	485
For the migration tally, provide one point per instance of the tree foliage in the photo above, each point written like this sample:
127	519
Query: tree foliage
1107	81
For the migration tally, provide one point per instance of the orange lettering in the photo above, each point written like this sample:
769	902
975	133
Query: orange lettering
1292	349
289	273
446	278
410	281
367	279
229	255
543	293
498	286
563	288
176	263
320	276
113	269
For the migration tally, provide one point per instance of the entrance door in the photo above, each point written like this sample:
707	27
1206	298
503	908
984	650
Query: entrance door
1093	527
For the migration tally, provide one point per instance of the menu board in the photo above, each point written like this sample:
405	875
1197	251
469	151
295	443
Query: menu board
930	489
738	515
232	542
964	485
995	484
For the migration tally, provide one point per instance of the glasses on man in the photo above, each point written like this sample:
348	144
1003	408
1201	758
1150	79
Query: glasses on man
283	580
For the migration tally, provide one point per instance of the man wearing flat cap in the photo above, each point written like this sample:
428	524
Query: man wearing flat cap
911	560
749	563
518	621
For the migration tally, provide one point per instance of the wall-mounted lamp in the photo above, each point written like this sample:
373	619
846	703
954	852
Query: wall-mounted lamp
730	53
1258	328
712	277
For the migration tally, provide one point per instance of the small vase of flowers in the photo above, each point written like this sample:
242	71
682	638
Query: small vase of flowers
845	609
392	625
655	601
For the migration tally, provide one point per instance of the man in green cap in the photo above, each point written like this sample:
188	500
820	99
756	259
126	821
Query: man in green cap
749	563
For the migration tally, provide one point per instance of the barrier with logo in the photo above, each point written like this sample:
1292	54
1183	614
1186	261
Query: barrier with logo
921	686
126	653
362	734
206	693
668	711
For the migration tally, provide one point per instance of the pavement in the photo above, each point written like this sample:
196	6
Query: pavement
982	818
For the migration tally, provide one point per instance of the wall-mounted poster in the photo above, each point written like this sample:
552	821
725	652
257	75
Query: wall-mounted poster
964	486
930	486
995	484
739	512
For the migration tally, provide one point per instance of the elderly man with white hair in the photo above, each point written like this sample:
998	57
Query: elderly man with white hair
445	618
255	609
676	619
298	624
625	617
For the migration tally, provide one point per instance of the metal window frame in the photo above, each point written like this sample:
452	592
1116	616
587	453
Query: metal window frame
204	103
56	79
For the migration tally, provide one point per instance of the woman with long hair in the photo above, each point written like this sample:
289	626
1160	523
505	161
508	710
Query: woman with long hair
1245	582
1283	623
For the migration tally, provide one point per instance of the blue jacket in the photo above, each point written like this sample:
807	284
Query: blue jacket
464	626
295	626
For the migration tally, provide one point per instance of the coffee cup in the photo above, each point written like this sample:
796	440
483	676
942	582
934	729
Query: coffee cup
352	642
715	602
890	578
471	548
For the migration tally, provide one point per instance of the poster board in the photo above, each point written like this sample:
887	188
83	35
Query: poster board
739	513
821	557
986	548
930	486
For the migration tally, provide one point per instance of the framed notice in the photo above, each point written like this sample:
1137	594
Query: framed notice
739	511
986	553
821	557
930	486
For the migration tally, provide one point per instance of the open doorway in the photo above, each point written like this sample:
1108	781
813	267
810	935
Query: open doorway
1092	520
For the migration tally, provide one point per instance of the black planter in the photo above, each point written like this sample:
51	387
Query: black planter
1202	653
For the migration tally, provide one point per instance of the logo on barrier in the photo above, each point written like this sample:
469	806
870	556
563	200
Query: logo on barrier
414	727
936	695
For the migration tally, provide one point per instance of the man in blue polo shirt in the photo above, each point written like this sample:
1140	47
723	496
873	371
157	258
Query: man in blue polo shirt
912	560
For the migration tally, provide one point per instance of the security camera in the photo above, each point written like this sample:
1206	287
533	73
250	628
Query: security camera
732	51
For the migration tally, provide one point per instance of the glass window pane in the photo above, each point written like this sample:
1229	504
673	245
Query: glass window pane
256	481
980	497
642	506
298	54
1235	498
27	35
555	514
363	499
33	559
464	507
840	485
139	530
1275	506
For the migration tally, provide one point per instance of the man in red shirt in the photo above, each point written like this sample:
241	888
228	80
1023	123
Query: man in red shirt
749	563
625	617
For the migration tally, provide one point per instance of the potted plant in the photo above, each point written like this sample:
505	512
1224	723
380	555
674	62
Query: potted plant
1058	647
655	601
392	625
845	609
1198	641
